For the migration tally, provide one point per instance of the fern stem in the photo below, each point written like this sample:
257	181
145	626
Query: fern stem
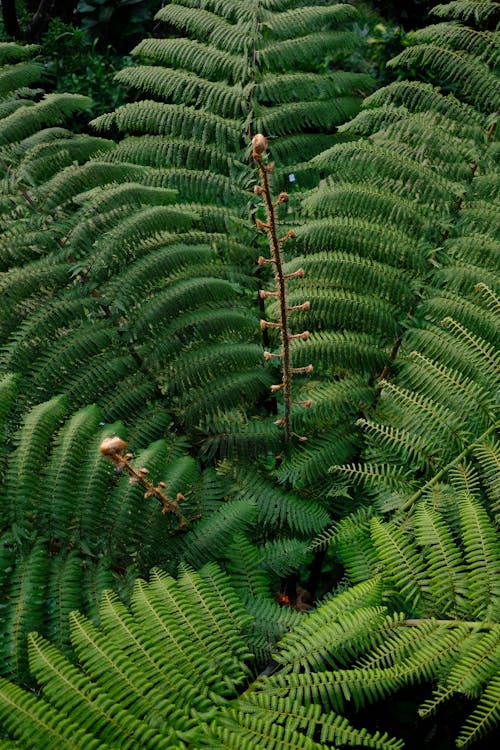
435	479
414	622
113	449
276	253
275	242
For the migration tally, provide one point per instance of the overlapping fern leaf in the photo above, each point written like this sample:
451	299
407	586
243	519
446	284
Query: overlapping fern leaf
387	256
138	278
173	670
233	70
98	225
70	527
98	263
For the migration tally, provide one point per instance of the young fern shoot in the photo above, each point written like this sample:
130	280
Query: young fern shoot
113	448
259	143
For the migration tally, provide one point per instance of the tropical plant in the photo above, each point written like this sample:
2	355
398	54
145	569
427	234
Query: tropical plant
392	500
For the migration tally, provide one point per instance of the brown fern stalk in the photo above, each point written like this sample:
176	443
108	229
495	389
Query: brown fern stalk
276	258
113	448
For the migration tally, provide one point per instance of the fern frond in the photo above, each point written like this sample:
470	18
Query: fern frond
63	470
403	563
349	270
192	55
283	556
308	50
53	109
208	25
26	594
309	466
488	453
227	392
423	97
24	474
209	539
325	637
295	21
248	577
473	669
16	76
287	118
476	84
263	719
480	11
155	151
446	568
384	167
13	51
351	542
43	161
8	392
482	558
485	717
152	117
455	36
274	506
187	88
69	689
33	722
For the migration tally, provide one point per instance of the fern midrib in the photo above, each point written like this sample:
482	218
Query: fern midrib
408	504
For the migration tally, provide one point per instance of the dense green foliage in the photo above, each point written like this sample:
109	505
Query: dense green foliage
129	305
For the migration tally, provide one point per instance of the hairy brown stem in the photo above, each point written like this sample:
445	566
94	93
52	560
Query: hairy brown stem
275	242
113	449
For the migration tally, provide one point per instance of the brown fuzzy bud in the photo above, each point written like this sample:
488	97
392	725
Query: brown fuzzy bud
268	324
303	336
258	190
261	261
299	274
283	198
180	497
112	446
303	306
143	471
259	143
276	388
302	370
260	224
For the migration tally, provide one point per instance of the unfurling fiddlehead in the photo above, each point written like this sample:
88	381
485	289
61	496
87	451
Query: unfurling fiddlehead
113	448
259	143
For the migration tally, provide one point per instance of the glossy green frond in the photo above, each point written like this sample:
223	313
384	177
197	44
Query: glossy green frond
33	722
